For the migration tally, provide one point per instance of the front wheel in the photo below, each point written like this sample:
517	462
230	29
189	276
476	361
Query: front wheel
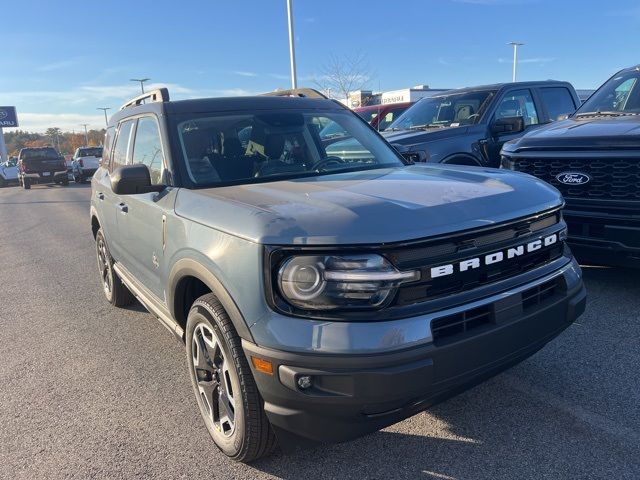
25	184
222	381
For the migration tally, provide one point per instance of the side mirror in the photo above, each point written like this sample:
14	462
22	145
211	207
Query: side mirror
133	179
507	125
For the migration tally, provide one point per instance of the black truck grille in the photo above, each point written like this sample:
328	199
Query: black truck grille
611	178
471	245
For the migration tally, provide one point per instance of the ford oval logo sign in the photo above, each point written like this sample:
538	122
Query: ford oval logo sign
3	114
573	178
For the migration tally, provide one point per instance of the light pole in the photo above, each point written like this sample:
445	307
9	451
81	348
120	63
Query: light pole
292	49
515	58
86	135
104	109
141	80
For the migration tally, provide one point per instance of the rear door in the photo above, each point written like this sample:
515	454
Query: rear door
142	220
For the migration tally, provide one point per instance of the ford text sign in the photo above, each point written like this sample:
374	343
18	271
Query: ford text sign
8	117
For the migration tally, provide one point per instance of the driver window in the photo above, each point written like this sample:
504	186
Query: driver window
518	103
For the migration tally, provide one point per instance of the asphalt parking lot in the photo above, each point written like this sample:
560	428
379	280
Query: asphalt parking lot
89	391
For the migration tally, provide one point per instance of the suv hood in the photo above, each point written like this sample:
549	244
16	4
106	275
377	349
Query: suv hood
370	207
583	134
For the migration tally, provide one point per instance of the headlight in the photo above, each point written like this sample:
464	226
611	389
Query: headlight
330	282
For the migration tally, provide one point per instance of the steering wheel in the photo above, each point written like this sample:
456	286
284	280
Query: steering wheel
332	159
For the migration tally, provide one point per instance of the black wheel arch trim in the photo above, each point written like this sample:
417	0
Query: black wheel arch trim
468	156
187	267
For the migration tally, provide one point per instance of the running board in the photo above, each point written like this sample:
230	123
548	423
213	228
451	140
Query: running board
146	298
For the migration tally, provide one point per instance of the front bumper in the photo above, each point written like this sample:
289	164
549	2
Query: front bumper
603	238
352	395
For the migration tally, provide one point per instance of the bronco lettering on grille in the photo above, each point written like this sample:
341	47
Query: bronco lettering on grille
495	257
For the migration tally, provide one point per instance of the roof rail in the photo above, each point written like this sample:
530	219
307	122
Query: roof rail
297	92
159	95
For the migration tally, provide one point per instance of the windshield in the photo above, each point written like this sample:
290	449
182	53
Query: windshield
250	148
620	94
90	152
33	153
445	111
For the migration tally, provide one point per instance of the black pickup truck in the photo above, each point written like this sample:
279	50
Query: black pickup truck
468	126
41	165
593	158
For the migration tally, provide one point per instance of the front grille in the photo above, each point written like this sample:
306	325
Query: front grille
611	178
463	247
470	322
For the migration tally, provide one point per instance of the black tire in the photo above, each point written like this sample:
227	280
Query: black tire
3	182
25	184
251	436
116	293
462	160
65	182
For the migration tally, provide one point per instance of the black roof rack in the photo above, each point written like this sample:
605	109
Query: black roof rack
297	92
159	95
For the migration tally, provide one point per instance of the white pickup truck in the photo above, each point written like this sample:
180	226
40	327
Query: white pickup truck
9	172
85	162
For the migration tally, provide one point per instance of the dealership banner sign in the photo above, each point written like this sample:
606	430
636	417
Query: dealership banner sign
8	117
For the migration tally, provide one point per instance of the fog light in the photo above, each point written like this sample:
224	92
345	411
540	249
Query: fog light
304	382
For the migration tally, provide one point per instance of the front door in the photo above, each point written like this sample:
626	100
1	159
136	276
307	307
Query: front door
142	217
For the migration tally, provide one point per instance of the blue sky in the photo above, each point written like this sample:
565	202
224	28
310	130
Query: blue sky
63	59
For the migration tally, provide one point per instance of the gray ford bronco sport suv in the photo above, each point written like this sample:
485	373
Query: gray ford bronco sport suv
321	298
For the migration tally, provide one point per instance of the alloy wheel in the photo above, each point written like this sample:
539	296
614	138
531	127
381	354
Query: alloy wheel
104	267
211	371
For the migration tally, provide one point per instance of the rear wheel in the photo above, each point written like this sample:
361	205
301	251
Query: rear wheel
114	290
226	392
65	182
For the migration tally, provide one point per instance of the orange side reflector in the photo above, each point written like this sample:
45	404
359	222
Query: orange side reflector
262	365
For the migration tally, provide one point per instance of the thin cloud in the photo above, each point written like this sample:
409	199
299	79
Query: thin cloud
494	3
538	60
67	122
243	73
60	65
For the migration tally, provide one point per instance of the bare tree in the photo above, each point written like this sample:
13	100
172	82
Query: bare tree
342	75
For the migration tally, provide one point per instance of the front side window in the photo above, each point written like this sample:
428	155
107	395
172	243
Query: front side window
456	109
620	94
558	101
518	103
258	147
121	149
147	148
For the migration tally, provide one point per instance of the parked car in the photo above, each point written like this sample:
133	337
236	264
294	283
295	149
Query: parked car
381	116
41	165
85	162
304	319
593	158
9	172
469	126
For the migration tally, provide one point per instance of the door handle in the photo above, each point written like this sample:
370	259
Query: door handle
100	196
123	207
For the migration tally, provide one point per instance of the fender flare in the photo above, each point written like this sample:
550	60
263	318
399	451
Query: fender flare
187	267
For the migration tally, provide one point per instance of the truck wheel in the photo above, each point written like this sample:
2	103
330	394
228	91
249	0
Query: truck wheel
25	184
225	390
65	182
2	182
116	292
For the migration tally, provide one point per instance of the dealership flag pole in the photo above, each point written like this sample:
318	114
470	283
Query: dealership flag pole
292	50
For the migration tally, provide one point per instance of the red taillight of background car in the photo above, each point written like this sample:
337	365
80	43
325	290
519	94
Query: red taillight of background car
81	163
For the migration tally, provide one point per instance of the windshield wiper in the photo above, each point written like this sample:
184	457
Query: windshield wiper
428	125
606	114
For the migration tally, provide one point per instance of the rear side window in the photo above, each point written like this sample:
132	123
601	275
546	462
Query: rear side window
558	102
147	148
122	145
108	143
